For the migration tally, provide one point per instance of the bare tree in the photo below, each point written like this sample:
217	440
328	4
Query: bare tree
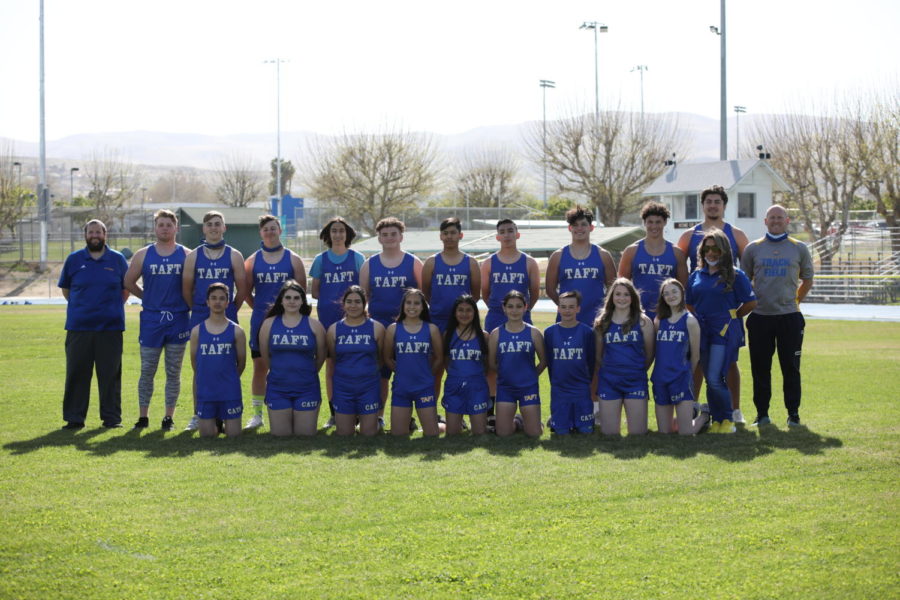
607	161
181	185
487	178
15	201
112	182
237	182
369	176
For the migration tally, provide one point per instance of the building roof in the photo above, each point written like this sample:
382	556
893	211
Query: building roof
690	178
233	216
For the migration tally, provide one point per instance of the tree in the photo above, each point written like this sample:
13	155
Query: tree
15	201
487	178
287	175
237	182
369	176
181	185
112	182
607	161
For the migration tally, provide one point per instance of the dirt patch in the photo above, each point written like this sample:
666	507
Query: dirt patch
29	281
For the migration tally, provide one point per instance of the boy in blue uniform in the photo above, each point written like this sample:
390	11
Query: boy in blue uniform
571	351
165	321
449	274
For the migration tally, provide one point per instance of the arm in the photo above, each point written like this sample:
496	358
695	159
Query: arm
249	284
387	348
321	344
681	272
693	327
746	308
187	278
598	353
264	330
649	334
486	280
240	279
537	338
427	272
684	242
805	286
625	263
551	281
65	293
330	341
609	265
134	273
195	341
437	346
492	350
299	270
364	279
379	342
240	341
741	238
474	278
534	282
314	289
417	271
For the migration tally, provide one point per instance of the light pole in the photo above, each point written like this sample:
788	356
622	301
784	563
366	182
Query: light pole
545	83
143	214
738	111
277	62
43	193
641	69
723	111
597	27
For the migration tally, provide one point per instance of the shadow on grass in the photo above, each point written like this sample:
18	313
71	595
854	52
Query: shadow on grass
743	446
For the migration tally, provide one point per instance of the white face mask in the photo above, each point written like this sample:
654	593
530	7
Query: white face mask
712	263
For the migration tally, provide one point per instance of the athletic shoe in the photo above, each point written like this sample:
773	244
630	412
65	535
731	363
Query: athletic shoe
491	424
220	425
760	421
73	426
255	422
380	423
329	423
142	423
413	426
714	427
794	421
727	426
738	417
111	425
167	424
519	422
193	424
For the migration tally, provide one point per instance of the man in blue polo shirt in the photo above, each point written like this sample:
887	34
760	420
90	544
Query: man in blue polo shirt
93	282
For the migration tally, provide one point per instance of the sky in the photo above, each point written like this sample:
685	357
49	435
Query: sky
197	66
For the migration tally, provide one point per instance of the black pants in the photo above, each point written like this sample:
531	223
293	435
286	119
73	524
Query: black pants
766	333
86	350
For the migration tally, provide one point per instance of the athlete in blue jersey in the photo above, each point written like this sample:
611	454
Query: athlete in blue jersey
625	339
355	343
413	350
512	348
332	272
506	270
218	356
677	355
165	321
465	358
293	348
267	269
719	295
714	201
581	266
571	351
650	261
449	274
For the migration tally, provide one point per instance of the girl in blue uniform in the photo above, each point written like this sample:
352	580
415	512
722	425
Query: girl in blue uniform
355	343
332	272
677	356
413	350
512	348
218	356
719	295
292	348
465	358
624	337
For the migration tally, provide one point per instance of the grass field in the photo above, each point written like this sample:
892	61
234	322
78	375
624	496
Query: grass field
807	513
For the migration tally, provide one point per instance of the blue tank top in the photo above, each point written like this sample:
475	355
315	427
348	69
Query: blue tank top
466	358
335	279
507	277
216	372
292	352
623	352
570	356
698	234
448	282
587	276
386	287
356	355
648	272
208	272
161	276
412	354
515	358
673	349
268	279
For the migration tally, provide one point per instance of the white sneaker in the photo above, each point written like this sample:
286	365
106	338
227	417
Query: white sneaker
329	423
194	424
738	417
255	422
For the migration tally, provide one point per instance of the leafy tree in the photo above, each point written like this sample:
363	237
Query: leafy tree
287	176
15	201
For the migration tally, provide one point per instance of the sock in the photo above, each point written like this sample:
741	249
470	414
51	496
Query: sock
258	401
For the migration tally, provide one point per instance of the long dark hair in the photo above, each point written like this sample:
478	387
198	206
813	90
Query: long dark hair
726	259
424	315
355	289
663	310
277	307
473	327
601	323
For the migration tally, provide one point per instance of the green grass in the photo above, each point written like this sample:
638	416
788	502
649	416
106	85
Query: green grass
810	513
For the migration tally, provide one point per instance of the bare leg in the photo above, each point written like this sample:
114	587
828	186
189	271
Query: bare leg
664	413
400	416
687	424
611	417
531	416
733	380
478	423
454	424
208	428
428	419
368	424
505	412
345	424
305	421
233	428
636	415
281	422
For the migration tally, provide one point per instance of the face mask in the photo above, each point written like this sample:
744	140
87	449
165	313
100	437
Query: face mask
712	263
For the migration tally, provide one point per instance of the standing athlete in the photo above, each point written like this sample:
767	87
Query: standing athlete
449	274
165	320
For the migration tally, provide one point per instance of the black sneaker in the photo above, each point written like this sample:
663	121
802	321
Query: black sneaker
413	426
167	424
142	423
220	425
73	426
111	424
794	421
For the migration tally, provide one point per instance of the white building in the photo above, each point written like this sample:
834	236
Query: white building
750	185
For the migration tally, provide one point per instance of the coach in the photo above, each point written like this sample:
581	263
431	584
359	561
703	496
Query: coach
781	270
93	282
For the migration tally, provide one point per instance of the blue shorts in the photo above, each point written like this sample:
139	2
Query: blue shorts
622	386
299	400
256	321
224	410
525	396
201	313
674	392
571	411
495	318
362	399
466	396
423	398
161	328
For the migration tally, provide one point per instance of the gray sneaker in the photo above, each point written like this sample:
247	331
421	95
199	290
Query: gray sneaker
193	424
794	421
760	421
